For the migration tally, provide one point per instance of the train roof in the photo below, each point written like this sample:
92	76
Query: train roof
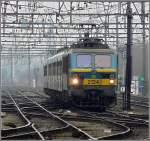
90	43
87	43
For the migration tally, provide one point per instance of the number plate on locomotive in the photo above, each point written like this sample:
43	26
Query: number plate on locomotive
91	82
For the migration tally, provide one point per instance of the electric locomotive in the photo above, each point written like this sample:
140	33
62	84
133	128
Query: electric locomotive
84	74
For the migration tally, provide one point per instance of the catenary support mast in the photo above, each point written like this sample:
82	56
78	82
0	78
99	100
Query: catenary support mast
126	99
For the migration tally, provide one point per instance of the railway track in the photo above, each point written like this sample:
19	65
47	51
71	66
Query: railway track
139	127
137	101
120	117
23	134
63	127
18	132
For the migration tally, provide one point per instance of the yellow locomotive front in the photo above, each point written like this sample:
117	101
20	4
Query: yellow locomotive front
93	77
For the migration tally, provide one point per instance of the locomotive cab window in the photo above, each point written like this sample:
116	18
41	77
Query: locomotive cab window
84	60
102	61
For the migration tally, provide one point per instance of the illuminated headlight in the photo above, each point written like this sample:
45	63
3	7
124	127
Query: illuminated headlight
75	81
111	81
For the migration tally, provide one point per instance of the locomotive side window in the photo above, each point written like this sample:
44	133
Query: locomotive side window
84	60
103	61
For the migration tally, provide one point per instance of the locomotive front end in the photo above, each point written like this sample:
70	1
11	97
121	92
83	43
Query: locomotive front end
93	78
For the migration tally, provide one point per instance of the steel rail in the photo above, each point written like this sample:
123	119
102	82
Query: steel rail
85	114
141	102
143	116
137	122
32	125
140	98
7	106
59	119
24	135
117	135
117	117
134	119
6	133
137	103
21	136
43	115
127	129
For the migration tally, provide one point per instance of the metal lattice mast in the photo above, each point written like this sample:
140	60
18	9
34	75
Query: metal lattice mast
126	101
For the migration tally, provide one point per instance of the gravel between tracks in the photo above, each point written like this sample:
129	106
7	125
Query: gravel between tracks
100	129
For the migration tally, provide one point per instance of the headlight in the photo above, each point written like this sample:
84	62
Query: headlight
75	81
111	81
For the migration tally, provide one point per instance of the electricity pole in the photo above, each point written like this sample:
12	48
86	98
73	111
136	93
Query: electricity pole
126	99
0	52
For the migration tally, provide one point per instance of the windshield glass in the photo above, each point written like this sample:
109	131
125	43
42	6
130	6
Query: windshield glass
84	60
103	61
